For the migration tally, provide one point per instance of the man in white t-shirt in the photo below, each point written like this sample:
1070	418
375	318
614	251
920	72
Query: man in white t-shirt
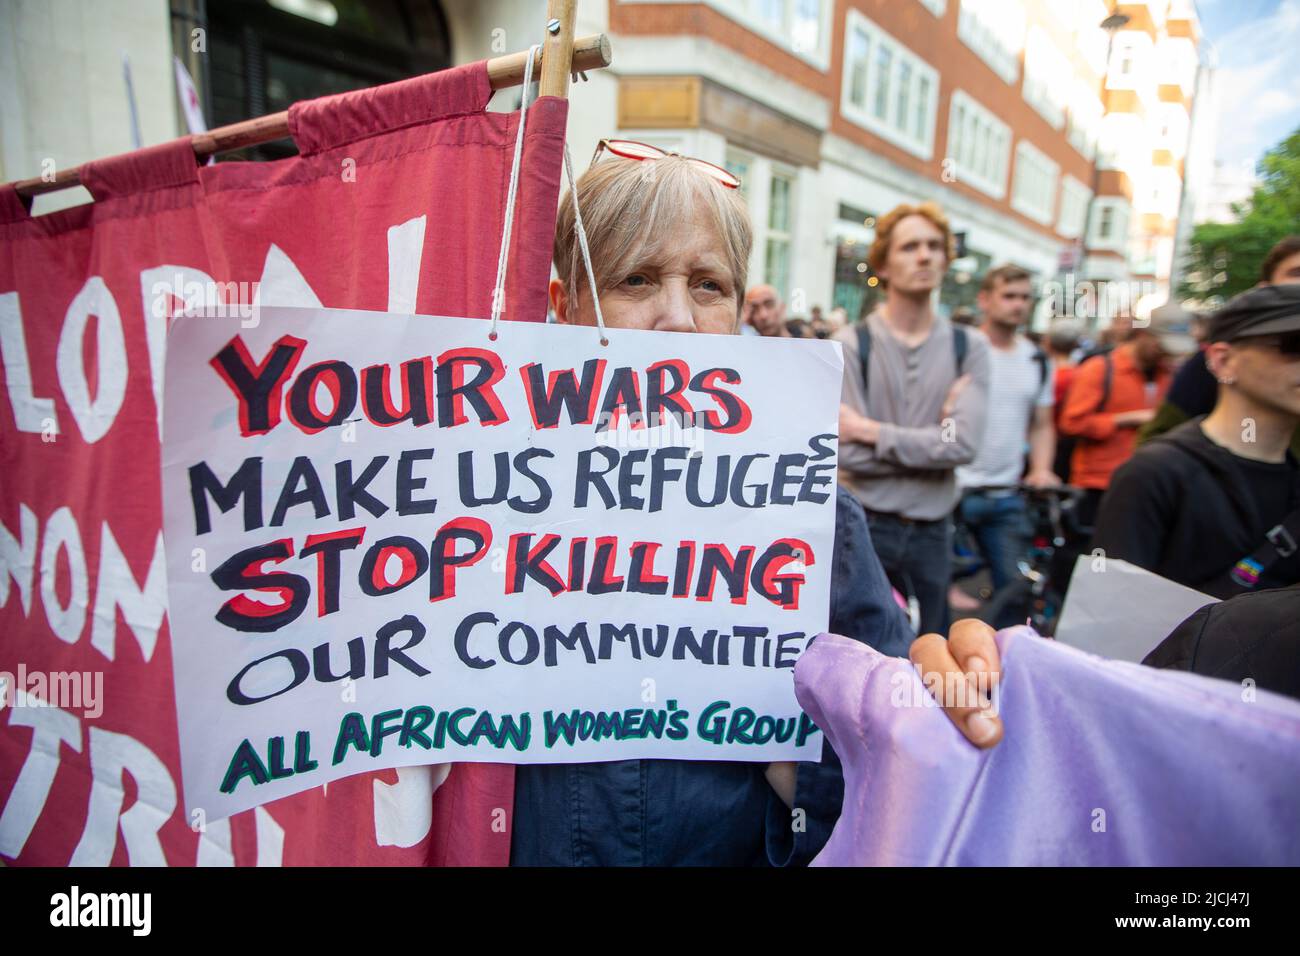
1019	413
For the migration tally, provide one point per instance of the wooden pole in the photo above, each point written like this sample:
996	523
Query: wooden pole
558	48
588	53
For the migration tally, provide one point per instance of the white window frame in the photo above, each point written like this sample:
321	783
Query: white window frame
864	115
976	120
1033	162
1135	48
1123	59
1120	212
786	236
744	13
1075	197
976	28
937	7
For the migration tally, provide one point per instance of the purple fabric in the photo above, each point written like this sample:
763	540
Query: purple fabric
1185	772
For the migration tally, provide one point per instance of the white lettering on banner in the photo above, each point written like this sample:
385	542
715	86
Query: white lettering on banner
404	810
116	587
51	727
270	838
157	286
215	847
460	446
30	413
282	283
111	755
93	416
62	534
18	558
405	247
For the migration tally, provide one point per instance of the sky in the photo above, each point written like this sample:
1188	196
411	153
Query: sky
1256	87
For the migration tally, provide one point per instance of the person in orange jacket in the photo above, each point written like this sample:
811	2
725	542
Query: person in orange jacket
1111	396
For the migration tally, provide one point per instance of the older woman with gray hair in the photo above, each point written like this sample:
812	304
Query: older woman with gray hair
670	240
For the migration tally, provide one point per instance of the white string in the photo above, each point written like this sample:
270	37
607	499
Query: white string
499	291
582	244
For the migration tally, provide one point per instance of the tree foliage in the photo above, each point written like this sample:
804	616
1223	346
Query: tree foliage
1224	258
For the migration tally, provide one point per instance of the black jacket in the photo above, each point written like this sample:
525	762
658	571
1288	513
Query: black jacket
1181	507
1254	636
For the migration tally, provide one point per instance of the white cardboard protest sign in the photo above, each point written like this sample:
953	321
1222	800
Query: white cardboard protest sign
1121	611
392	541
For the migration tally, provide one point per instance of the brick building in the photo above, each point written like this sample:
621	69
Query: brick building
1145	134
834	111
831	111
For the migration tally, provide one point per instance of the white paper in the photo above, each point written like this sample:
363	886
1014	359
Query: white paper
791	391
1118	610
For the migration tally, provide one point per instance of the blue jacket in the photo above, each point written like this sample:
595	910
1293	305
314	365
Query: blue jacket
707	813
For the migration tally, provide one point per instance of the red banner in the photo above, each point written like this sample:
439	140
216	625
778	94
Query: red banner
396	203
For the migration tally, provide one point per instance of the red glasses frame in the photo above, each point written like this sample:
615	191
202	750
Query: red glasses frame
630	149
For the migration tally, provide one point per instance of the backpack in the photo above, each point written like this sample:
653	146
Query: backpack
1041	358
959	346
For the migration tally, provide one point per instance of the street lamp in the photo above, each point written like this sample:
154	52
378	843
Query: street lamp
1116	21
1112	25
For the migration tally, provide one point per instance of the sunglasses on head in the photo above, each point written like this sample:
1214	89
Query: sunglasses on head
630	149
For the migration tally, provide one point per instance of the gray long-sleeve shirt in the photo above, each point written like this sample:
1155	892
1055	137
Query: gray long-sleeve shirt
910	470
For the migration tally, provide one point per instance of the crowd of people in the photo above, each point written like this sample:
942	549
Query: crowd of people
938	419
1174	428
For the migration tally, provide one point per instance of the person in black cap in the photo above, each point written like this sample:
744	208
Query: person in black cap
1194	390
1215	503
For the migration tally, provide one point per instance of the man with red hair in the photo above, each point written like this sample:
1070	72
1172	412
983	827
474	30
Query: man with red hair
913	409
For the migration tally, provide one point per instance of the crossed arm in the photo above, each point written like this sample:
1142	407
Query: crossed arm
870	447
